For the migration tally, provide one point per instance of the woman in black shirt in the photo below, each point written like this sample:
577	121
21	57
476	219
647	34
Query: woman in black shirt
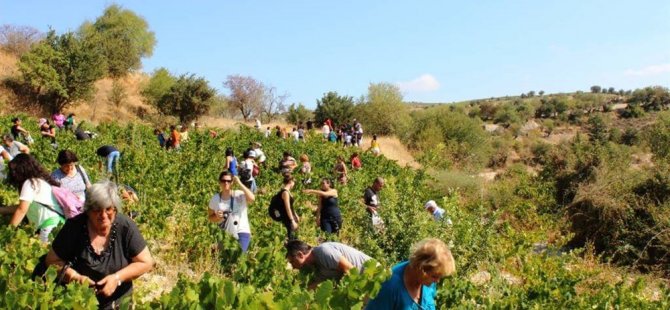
102	247
328	215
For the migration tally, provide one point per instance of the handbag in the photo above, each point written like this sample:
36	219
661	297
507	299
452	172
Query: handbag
228	225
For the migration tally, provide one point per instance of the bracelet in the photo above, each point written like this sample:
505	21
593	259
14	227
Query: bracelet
116	275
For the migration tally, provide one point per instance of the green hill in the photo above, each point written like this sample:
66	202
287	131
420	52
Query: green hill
510	251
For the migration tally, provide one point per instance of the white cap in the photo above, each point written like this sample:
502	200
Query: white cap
430	203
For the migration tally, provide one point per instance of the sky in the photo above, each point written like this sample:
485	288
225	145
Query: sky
435	51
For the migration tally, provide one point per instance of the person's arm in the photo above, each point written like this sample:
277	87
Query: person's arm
5	155
330	193
344	264
19	213
21	130
247	192
70	274
141	264
228	160
24	149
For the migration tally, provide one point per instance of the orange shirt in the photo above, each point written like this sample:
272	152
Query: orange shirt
176	137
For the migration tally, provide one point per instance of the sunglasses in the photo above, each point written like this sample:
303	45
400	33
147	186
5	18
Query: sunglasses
226	181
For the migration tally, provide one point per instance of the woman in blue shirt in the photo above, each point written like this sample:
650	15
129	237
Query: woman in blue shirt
413	283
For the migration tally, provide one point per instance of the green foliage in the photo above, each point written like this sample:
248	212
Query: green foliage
298	114
595	89
653	98
384	113
658	136
124	38
188	98
60	71
158	86
497	233
598	129
466	144
340	109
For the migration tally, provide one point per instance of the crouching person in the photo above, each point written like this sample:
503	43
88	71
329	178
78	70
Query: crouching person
329	260
102	247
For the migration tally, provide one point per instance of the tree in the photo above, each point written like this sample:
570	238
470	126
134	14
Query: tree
247	95
595	89
159	85
124	38
18	40
541	93
611	90
60	71
531	94
340	109
117	95
273	104
384	111
598	129
297	114
653	98
189	98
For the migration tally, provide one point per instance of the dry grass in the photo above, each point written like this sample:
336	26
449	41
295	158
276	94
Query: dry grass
99	109
392	148
7	64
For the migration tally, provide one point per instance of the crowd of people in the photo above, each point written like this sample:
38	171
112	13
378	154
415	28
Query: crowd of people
102	247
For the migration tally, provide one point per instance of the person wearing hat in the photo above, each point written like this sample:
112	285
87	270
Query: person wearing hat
258	153
437	212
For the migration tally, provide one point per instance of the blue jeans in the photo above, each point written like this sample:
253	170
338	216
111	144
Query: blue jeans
244	239
112	160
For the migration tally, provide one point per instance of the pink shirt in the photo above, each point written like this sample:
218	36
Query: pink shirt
58	119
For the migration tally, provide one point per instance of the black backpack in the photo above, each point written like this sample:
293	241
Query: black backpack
244	173
276	209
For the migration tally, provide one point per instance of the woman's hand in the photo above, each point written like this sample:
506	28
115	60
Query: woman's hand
107	286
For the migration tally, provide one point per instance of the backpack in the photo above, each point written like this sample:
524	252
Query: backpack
245	173
276	207
68	201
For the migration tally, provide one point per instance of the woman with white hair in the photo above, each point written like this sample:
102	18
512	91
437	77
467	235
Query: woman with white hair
101	247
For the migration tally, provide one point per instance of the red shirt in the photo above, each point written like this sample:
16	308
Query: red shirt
356	163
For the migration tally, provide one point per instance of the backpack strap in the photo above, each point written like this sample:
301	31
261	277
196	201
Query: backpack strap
50	208
81	173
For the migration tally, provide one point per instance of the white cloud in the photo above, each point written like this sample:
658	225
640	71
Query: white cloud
424	83
649	70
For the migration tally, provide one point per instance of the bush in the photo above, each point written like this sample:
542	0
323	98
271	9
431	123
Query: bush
658	136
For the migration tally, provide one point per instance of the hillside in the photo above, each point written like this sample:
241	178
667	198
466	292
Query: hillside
507	253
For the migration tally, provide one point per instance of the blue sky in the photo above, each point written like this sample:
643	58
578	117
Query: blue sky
436	51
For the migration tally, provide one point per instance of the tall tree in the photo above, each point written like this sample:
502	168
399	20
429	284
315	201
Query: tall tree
247	95
273	103
124	38
384	112
18	40
59	71
340	109
158	85
297	113
188	98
